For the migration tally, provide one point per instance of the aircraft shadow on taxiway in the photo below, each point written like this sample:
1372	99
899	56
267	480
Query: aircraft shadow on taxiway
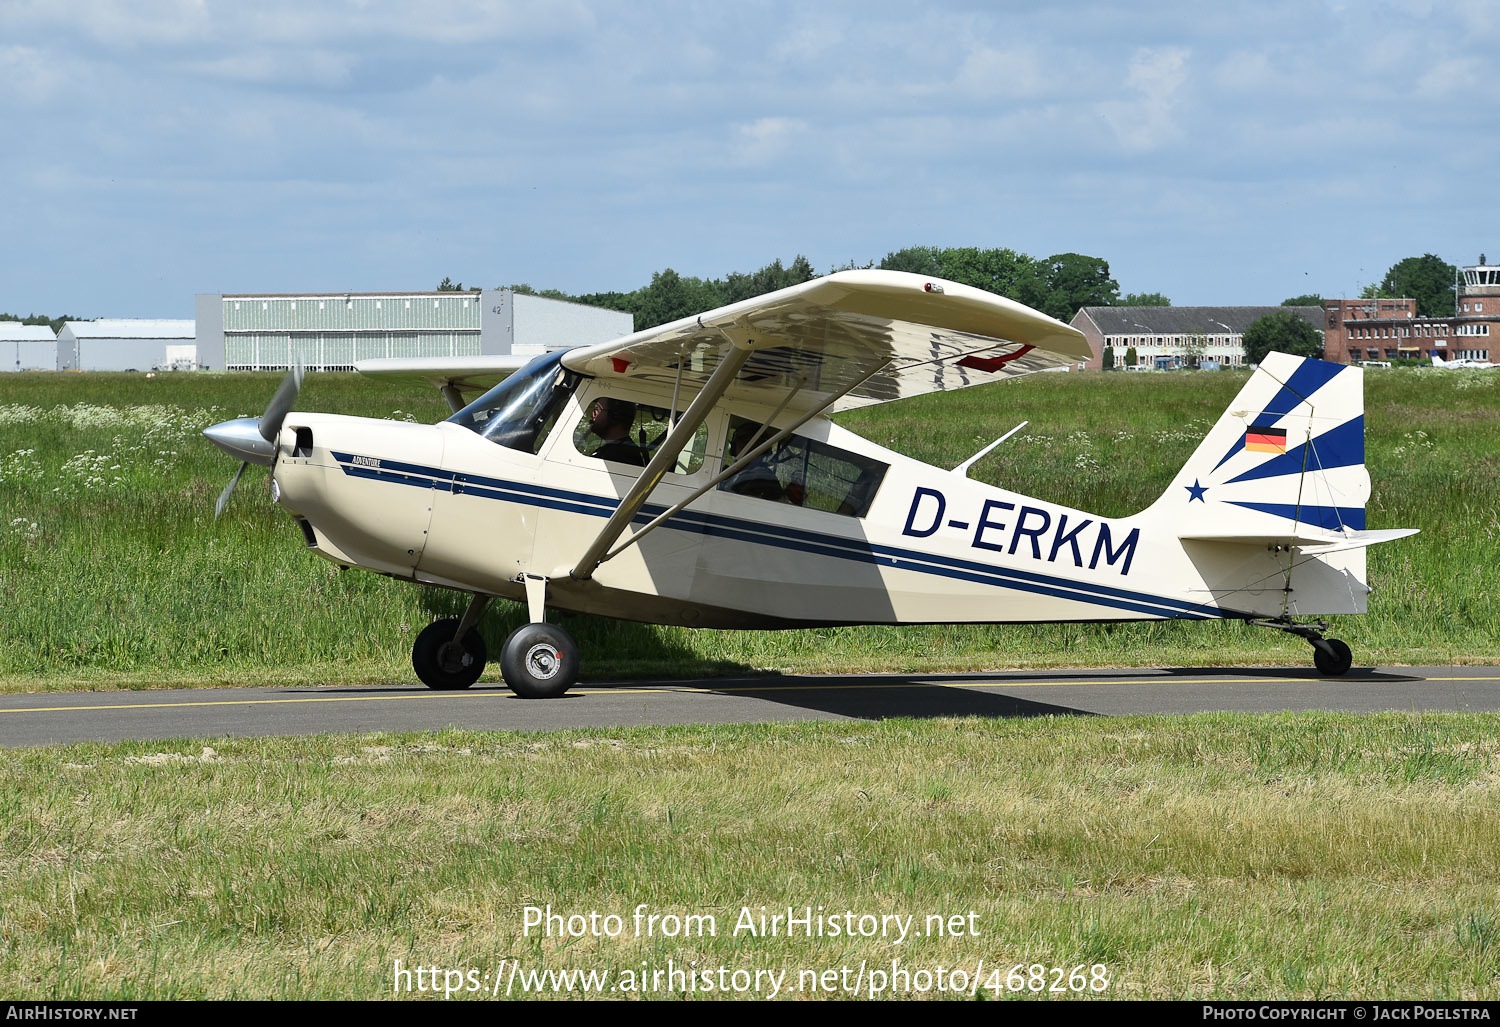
877	697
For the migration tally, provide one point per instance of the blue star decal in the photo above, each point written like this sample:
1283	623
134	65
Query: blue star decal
1195	491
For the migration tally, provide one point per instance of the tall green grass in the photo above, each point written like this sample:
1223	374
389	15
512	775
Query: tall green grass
113	571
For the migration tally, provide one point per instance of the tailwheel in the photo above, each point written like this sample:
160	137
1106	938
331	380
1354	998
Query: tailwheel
539	661
1332	657
444	662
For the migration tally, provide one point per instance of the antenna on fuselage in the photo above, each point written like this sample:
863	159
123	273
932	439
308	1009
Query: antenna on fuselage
962	470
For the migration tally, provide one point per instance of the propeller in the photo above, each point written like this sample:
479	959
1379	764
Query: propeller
253	439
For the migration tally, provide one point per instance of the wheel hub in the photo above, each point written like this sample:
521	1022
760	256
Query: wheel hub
543	660
453	657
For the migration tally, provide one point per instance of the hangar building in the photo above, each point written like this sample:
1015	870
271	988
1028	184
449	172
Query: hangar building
125	344
27	347
330	331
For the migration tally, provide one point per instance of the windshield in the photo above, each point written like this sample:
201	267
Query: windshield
519	412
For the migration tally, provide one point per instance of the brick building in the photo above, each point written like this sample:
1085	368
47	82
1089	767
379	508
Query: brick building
1389	329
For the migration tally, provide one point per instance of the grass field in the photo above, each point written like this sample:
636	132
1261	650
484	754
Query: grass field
114	574
1218	856
1226	856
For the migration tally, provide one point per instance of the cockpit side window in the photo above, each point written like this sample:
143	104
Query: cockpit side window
801	471
520	412
623	431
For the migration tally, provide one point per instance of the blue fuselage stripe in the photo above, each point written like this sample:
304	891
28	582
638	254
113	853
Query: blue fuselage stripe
793	539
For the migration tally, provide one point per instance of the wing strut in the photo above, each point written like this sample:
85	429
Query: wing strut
735	468
665	457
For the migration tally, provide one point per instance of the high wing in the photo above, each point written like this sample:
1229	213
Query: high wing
835	343
453	376
917	334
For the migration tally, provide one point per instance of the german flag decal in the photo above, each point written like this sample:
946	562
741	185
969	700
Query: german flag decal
1266	440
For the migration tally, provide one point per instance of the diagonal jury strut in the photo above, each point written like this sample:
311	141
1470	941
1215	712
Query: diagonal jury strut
664	458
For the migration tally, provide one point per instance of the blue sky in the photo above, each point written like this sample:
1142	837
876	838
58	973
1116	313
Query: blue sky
1234	154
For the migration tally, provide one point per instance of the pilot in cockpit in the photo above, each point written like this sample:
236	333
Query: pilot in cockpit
611	420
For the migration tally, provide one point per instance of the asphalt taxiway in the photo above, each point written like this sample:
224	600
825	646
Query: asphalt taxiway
57	717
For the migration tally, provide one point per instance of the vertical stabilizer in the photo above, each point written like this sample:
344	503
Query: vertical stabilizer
1285	461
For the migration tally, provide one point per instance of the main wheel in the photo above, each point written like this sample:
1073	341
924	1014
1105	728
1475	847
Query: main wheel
444	664
539	661
1336	659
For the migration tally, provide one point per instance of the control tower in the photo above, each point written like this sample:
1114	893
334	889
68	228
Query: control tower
1480	281
1478	311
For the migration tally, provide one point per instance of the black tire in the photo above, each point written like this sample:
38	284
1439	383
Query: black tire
442	663
1333	660
539	661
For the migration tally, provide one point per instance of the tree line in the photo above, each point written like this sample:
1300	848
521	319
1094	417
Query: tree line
1057	285
55	323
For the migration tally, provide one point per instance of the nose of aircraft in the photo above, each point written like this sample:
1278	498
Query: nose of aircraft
241	439
253	439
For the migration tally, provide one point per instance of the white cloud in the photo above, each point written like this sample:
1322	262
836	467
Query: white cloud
991	74
115	23
143	23
807	42
279	67
765	140
1449	79
29	74
1156	76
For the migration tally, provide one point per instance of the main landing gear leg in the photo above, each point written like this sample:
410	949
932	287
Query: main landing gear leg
1331	656
539	660
449	654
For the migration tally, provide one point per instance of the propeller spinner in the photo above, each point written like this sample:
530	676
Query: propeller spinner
253	439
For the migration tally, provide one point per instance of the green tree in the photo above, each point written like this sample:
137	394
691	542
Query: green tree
1000	270
1107	360
1072	281
1426	279
551	294
55	323
919	260
1131	357
670	297
773	276
851	265
1282	332
448	285
1310	299
1144	299
626	301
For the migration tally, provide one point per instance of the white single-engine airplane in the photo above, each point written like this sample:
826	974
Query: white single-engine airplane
1460	364
690	474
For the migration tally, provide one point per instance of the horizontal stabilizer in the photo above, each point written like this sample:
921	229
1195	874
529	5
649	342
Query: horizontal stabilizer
1360	539
1312	543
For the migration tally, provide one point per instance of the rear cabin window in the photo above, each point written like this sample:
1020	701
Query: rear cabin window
801	472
